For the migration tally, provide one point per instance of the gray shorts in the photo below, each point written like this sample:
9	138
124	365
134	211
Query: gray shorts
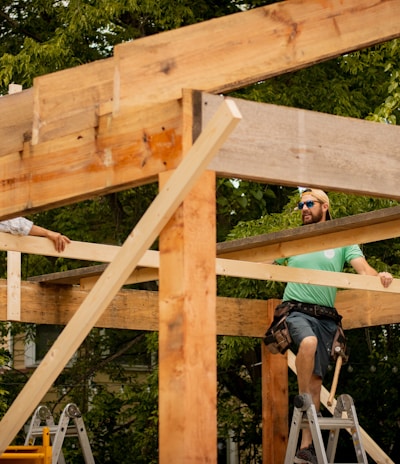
302	325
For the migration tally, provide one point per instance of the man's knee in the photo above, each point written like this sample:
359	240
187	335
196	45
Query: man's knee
308	345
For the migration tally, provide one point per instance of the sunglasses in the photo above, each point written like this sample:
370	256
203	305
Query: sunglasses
309	204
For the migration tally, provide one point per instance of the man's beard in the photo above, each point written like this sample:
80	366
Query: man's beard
317	217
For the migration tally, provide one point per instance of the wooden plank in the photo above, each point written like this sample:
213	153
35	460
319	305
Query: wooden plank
290	146
137	276
370	446
52	304
140	239
262	271
360	228
14	260
75	250
86	277
257	270
235	268
238	317
70	277
13	286
118	154
275	405
271	40
16	118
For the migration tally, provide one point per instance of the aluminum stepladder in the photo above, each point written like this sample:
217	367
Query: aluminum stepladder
60	431
344	417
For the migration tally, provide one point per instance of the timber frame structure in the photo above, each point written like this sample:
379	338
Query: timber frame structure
132	119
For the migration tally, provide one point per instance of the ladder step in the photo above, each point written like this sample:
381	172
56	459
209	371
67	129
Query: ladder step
331	423
70	431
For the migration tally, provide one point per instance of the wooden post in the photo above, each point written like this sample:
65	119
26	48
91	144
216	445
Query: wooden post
275	402
13	286
187	343
14	264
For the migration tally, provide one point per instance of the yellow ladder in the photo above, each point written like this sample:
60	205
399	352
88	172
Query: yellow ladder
29	454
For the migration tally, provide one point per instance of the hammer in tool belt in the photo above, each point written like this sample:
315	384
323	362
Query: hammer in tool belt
340	357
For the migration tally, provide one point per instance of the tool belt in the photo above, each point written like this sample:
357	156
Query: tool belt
278	339
314	310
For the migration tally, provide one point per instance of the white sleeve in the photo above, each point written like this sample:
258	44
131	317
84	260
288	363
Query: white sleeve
16	226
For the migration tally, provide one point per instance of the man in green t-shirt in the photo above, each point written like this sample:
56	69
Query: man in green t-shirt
313	336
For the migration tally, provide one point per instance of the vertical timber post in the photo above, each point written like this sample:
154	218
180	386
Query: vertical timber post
187	329
13	267
275	403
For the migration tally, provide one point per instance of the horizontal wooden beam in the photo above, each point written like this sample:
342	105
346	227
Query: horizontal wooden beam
86	277
130	309
75	250
376	307
270	40
72	107
135	147
289	146
114	154
138	309
361	228
262	271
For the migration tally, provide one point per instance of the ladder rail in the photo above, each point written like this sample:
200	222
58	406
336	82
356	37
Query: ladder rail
318	441
84	441
293	435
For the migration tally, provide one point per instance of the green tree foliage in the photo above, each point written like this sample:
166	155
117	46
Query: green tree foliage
43	36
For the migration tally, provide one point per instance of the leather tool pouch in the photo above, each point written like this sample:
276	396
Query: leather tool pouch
277	338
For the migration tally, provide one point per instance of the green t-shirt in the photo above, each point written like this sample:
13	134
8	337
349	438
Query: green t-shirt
327	260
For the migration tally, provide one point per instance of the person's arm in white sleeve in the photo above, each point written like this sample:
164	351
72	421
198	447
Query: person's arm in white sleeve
23	226
16	226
